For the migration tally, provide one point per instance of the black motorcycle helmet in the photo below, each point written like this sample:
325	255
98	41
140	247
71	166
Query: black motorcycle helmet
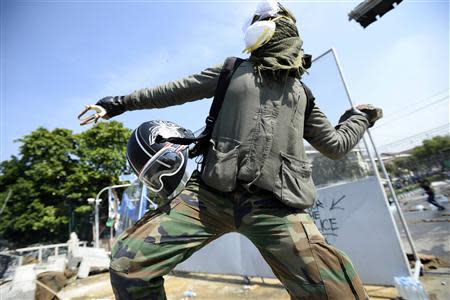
160	166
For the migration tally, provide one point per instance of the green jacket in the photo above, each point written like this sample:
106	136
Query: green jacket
258	137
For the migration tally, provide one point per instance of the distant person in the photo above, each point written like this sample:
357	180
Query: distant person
430	192
255	180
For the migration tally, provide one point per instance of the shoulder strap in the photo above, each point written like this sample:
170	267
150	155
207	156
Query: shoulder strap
309	101
230	65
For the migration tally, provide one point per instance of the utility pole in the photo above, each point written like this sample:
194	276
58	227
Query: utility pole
96	203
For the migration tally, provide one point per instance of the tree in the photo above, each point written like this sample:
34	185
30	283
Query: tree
432	157
54	174
435	145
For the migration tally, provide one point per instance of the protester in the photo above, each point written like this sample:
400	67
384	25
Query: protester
255	179
425	185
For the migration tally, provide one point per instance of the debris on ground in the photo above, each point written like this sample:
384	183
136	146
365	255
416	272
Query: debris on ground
189	294
418	207
28	260
49	284
429	262
435	220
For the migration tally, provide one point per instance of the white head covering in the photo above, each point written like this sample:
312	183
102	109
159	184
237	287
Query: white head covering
260	32
267	8
264	9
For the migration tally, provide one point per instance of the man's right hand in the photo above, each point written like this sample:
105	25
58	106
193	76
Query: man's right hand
113	105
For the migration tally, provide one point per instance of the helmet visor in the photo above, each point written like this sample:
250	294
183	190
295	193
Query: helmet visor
166	162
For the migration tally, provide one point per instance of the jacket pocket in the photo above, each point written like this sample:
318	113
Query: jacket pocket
294	185
220	167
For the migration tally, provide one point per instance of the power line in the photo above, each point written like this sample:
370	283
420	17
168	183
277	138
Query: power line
415	103
436	130
412	112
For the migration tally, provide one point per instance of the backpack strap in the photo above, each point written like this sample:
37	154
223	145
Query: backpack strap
229	67
309	102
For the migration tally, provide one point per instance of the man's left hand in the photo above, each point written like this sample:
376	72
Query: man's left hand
369	111
373	113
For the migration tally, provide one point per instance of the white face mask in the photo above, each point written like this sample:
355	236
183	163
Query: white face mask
258	34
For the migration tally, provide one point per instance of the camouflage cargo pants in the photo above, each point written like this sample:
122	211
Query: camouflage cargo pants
287	238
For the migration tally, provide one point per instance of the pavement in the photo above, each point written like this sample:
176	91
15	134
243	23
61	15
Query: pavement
430	230
204	287
429	227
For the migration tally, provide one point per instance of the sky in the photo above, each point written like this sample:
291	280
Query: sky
57	56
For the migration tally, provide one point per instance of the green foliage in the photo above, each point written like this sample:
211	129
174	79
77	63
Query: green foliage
53	176
429	159
435	145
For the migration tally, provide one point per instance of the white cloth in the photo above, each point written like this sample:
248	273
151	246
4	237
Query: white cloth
258	34
265	8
